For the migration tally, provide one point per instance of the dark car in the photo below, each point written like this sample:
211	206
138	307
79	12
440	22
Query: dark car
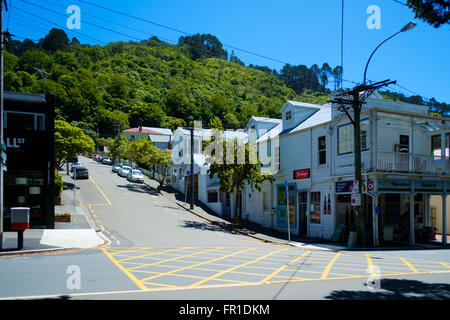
80	172
107	160
100	158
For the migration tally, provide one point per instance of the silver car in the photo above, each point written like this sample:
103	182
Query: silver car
124	171
135	176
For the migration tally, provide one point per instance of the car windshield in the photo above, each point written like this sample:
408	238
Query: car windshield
126	169
137	173
80	169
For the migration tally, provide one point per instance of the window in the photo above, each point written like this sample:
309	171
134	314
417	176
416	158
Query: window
436	146
322	147
315	203
213	197
288	115
433	217
24	120
345	137
265	201
277	157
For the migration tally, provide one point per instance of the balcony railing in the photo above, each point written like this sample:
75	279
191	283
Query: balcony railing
399	162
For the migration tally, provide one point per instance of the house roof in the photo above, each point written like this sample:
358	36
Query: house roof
300	104
159	138
151	130
322	115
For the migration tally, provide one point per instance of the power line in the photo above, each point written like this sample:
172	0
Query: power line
112	22
20	37
402	3
84	21
60	26
177	30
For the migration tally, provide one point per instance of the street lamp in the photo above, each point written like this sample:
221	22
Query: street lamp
360	220
409	26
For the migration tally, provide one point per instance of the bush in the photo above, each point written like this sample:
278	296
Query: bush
58	184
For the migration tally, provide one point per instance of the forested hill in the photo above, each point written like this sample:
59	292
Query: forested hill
150	83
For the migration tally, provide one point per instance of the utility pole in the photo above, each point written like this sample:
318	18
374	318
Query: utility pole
118	140
191	176
192	168
358	95
2	140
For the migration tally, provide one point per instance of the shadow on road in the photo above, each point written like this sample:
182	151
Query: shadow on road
397	289
210	226
138	188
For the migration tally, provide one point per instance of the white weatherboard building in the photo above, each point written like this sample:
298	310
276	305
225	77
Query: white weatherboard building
206	189
405	160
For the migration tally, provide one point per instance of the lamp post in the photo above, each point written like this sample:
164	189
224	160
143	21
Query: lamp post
407	27
360	217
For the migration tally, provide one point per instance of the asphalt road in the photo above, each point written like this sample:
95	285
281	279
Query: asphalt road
159	251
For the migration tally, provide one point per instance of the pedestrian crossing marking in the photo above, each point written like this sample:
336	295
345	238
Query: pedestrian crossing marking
182	267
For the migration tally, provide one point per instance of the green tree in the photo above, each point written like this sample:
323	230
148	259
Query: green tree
434	12
55	40
202	46
233	175
69	142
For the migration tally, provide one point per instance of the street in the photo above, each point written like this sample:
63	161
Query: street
158	250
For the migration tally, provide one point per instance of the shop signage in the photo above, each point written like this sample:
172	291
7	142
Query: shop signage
301	174
394	185
356	199
355	186
344	186
429	186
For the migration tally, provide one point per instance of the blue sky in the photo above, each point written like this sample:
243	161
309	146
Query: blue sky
293	31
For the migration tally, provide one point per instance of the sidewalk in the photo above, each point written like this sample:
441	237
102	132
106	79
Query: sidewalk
77	234
256	231
249	229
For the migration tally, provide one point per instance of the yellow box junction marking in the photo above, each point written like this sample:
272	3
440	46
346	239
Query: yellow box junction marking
245	261
328	268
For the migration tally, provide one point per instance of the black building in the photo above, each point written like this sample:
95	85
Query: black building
29	125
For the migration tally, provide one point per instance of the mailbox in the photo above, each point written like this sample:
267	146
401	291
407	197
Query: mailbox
20	218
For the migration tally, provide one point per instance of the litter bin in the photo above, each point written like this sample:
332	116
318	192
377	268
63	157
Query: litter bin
20	221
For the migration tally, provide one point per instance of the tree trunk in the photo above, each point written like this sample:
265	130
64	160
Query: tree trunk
236	205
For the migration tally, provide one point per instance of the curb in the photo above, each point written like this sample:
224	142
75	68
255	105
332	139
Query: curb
220	224
293	245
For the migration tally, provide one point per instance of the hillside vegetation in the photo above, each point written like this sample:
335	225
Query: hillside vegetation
152	83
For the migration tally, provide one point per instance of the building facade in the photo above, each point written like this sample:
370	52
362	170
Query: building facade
405	160
29	139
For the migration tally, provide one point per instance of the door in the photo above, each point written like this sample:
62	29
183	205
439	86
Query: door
302	209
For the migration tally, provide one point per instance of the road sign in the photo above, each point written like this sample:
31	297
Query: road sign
355	186
356	199
370	185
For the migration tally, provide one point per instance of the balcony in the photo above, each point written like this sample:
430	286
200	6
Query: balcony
399	162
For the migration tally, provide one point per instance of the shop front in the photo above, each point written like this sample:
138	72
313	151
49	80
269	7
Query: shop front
403	209
29	140
345	210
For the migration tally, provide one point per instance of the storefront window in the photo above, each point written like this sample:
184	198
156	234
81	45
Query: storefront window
315	202
25	188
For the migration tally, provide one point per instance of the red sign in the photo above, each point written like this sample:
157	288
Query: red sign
301	174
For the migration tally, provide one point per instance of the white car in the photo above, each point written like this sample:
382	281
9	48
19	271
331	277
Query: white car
124	171
135	176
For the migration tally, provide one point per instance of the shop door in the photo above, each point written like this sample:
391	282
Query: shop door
302	209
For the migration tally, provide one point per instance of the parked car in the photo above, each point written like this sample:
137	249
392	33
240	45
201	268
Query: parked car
136	176
107	160
124	171
95	157
80	172
74	164
100	158
116	167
